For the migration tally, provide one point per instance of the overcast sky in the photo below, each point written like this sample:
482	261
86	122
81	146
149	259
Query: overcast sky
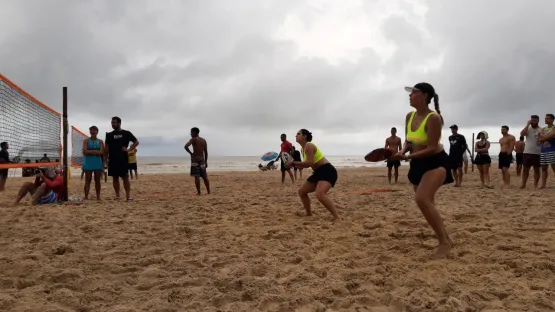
246	71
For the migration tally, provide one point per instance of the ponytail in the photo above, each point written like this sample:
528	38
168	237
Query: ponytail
436	105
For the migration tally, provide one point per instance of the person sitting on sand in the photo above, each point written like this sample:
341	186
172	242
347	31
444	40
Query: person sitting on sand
47	188
323	177
483	160
429	166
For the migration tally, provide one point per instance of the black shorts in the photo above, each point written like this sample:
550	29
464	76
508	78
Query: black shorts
482	159
519	158
419	167
132	166
393	163
505	160
455	161
118	168
4	173
531	160
325	172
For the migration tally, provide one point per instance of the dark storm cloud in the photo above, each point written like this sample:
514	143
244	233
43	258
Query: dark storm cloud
164	68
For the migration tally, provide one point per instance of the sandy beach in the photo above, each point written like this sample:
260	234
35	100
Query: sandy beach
242	248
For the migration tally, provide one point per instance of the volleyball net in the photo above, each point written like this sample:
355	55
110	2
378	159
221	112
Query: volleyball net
77	138
31	128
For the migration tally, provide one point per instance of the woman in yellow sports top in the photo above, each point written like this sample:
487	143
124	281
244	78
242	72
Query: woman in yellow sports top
323	177
428	161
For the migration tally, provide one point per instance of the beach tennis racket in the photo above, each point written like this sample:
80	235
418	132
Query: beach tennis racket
379	154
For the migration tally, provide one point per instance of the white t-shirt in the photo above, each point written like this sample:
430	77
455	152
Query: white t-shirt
531	146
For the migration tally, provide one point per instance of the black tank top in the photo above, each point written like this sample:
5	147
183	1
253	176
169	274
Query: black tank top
482	146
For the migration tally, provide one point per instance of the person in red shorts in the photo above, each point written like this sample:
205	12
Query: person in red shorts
287	149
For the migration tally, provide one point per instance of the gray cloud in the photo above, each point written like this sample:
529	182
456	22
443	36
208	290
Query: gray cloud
218	65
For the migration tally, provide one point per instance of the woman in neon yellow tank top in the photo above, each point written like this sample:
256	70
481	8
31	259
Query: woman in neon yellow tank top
323	177
429	168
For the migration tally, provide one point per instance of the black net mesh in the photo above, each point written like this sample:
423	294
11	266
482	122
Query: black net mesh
31	129
77	138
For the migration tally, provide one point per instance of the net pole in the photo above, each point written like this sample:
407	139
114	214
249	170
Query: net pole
65	133
472	151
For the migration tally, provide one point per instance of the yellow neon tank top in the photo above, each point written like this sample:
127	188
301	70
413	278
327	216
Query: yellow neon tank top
318	155
418	137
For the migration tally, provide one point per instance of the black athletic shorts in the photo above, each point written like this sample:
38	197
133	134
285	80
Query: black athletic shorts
3	173
419	167
118	167
325	172
531	160
519	158
455	161
482	159
393	163
132	166
505	160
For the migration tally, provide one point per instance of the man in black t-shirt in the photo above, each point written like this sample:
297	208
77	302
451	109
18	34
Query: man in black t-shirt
4	159
297	157
457	148
115	151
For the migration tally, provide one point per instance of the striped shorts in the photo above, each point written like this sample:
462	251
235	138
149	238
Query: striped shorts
547	158
49	198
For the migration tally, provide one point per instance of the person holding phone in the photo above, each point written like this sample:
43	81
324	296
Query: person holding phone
47	188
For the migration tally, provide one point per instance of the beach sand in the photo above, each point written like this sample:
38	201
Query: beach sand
242	248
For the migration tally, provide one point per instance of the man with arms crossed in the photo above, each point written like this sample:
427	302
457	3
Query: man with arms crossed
394	143
532	150
199	159
286	147
457	148
116	152
547	156
519	149
507	145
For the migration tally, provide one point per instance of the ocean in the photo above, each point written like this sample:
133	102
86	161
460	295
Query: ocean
148	164
172	164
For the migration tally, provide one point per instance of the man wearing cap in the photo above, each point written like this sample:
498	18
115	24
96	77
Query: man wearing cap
457	148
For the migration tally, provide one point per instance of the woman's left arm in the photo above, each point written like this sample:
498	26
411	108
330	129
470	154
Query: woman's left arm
433	129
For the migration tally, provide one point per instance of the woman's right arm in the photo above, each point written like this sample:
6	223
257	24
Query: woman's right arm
406	143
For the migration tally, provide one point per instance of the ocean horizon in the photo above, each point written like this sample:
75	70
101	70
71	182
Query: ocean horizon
182	164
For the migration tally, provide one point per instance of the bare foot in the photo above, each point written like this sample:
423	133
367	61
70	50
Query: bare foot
541	187
303	214
522	187
442	251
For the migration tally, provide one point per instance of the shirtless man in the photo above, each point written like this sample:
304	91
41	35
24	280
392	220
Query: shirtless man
199	159
507	145
519	150
394	143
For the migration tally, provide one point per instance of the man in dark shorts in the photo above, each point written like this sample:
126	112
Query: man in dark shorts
285	148
4	159
457	148
394	143
297	157
519	150
115	151
507	145
532	150
199	159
